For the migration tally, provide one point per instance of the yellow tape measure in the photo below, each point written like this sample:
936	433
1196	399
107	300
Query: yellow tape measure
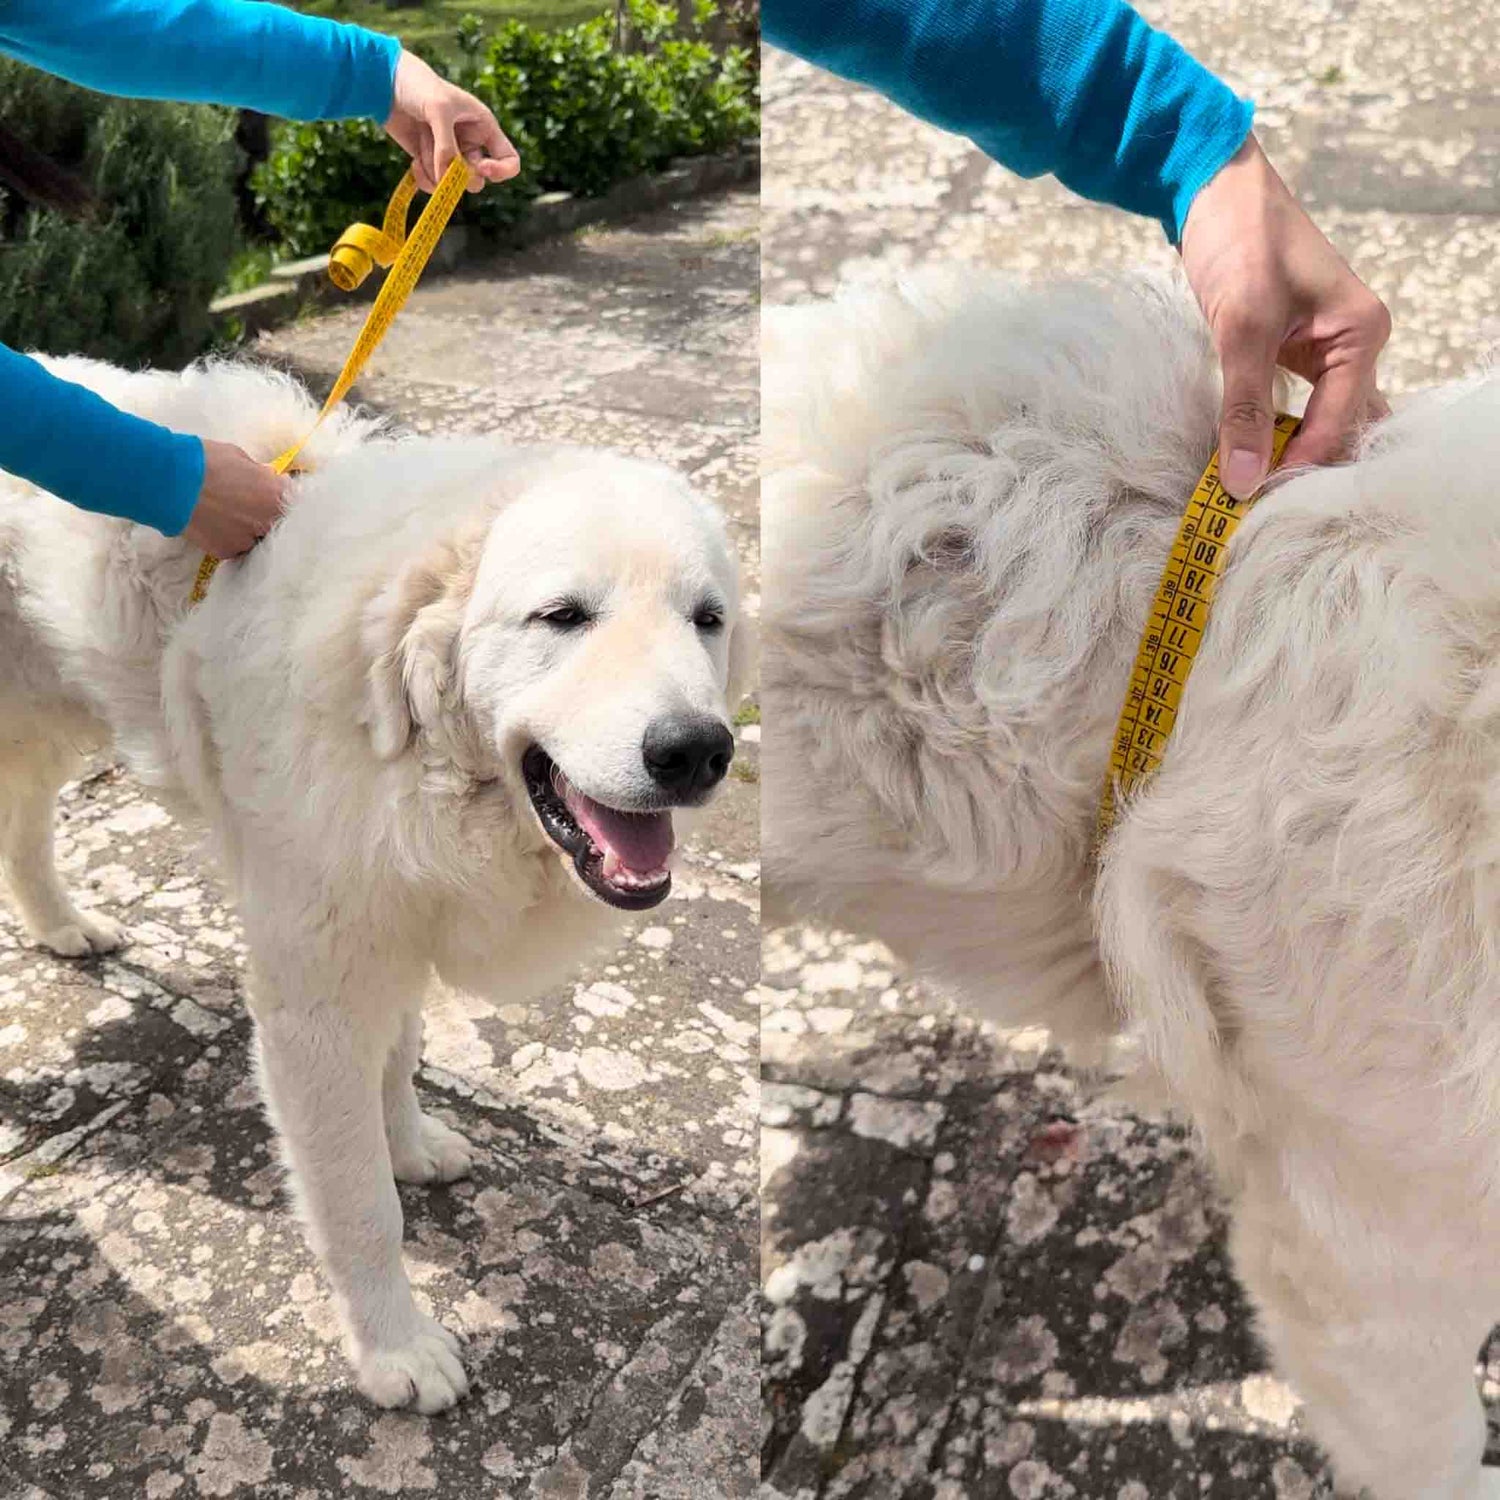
358	250
1174	631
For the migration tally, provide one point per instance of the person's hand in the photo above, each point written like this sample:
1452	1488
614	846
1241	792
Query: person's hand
238	503
1275	291
433	121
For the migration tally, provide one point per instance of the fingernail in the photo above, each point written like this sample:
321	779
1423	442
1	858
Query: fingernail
1242	473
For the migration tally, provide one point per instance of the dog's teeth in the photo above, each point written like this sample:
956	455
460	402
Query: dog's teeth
617	873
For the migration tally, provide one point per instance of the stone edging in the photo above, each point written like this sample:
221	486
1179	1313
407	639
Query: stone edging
299	285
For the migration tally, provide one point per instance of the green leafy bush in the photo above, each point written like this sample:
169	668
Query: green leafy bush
582	114
697	100
132	280
580	103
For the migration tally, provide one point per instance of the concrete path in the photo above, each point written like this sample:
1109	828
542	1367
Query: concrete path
979	1283
163	1329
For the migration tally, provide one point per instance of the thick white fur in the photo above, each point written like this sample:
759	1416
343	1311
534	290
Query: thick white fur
969	493
346	712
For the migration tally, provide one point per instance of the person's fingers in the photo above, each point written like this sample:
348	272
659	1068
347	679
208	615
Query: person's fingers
422	161
444	141
490	155
435	122
1275	291
490	170
1341	399
1343	376
500	156
239	503
408	135
476	180
244	528
486	169
1247	353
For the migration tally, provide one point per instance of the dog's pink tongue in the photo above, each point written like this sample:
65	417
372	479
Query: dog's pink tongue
641	842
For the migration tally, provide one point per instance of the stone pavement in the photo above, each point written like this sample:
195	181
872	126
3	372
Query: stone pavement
980	1283
163	1329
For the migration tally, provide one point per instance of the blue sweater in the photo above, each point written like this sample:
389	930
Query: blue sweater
239	52
1083	89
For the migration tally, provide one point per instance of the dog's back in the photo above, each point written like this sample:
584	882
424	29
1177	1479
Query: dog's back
970	491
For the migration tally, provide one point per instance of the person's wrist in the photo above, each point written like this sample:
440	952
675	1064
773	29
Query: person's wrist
1246	176
408	71
371	91
184	488
1224	141
397	53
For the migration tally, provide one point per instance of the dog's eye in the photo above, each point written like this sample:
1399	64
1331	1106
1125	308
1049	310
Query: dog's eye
708	618
566	616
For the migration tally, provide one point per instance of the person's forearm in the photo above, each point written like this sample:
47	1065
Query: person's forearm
69	441
1082	89
238	52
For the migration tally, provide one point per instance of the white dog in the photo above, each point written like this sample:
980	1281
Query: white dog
971	489
439	717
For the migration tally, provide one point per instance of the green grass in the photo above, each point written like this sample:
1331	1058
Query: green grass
722	239
429	25
749	713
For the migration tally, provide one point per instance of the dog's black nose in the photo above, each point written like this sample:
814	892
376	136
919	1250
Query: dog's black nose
687	754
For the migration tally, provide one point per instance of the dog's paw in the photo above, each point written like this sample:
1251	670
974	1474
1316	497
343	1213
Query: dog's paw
439	1154
83	934
425	1373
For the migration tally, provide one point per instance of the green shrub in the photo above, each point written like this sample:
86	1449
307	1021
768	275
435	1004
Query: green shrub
580	103
582	115
132	281
697	100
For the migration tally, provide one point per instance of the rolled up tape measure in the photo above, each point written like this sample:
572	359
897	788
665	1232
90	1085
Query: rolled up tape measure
356	253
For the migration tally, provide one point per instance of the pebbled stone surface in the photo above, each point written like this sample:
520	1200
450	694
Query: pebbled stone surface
980	1282
163	1329
1384	120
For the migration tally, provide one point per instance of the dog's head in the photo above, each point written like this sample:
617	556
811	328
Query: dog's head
581	647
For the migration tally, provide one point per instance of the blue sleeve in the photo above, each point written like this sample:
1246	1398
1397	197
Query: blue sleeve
69	441
245	53
1082	89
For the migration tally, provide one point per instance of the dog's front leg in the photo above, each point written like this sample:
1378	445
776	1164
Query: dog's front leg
423	1149
322	1070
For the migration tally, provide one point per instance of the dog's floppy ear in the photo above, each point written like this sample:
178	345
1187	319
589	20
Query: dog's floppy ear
410	635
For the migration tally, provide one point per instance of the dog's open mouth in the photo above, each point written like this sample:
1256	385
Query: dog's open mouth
620	856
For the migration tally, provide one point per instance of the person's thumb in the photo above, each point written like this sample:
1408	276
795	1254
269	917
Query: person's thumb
1246	422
